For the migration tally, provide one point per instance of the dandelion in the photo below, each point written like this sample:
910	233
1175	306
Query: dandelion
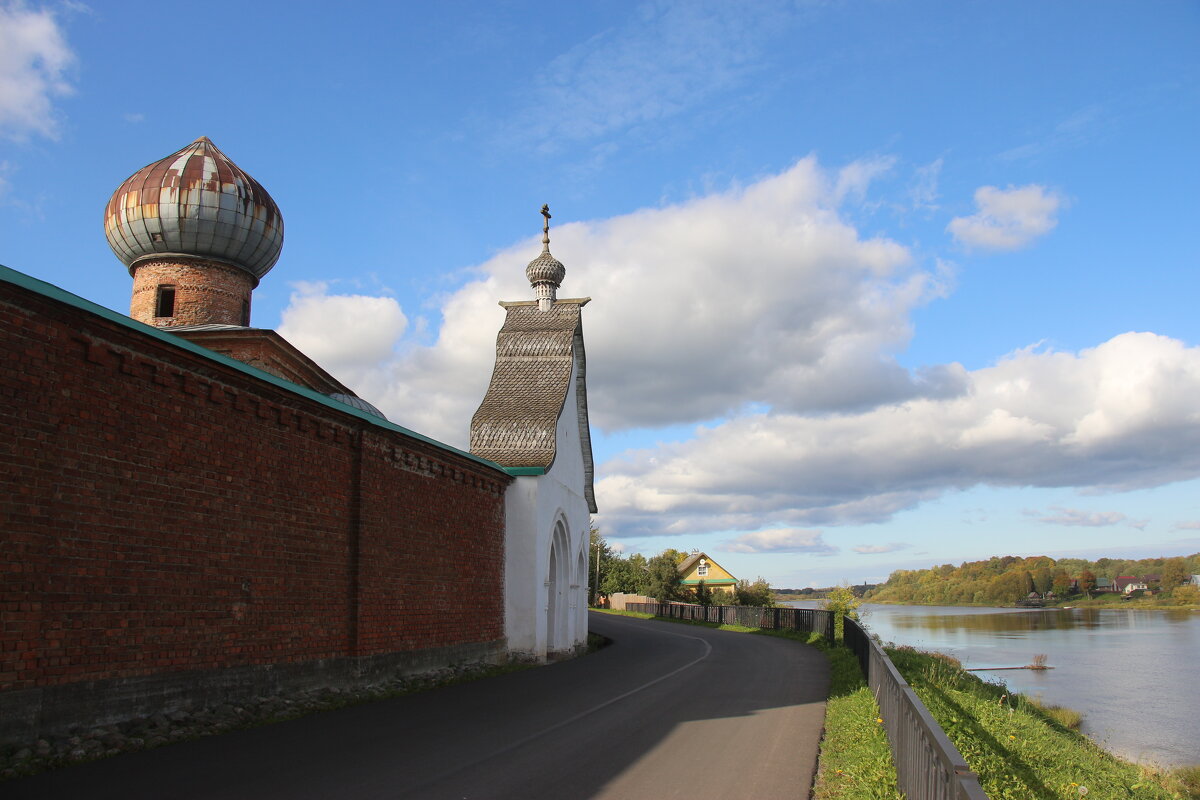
879	720
1011	736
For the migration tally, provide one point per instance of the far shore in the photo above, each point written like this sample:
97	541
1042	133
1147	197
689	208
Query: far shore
1141	604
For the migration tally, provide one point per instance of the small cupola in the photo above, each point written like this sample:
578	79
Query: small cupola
545	273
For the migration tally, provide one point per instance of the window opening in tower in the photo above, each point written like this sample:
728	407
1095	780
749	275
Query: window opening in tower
165	307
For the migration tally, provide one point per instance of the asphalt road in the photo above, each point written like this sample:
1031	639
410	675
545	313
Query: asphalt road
666	711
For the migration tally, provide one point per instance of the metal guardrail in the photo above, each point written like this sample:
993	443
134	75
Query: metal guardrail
805	620
928	765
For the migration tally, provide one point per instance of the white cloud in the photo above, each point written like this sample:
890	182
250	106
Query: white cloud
855	178
1188	525
34	59
759	315
779	540
1075	517
353	332
871	549
1118	416
1008	219
755	295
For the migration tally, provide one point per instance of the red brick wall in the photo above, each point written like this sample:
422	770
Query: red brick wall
163	512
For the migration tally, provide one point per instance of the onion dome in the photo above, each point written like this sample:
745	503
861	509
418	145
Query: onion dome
545	273
359	403
195	203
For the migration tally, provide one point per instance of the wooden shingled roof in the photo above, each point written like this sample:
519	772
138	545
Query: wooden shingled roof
516	424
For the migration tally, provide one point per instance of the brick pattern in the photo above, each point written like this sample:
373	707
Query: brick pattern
162	512
268	351
206	292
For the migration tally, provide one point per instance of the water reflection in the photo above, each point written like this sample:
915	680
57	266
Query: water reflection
1114	665
1001	621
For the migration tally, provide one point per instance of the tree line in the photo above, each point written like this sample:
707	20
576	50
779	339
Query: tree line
1005	580
658	577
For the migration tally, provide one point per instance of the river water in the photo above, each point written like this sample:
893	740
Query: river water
1134	673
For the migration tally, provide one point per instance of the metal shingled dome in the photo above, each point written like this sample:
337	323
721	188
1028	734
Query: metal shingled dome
359	403
198	203
546	268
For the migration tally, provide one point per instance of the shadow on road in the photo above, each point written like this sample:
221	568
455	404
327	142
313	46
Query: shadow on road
664	711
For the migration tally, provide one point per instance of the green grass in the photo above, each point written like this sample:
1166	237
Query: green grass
1019	748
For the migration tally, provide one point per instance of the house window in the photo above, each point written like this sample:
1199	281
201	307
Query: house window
702	570
165	305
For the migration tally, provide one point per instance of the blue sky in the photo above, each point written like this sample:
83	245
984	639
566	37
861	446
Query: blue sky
876	284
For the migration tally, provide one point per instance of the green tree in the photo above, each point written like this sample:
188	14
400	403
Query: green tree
1007	588
704	595
663	582
678	556
754	594
601	560
1174	573
1087	582
1061	584
1043	580
842	602
1186	595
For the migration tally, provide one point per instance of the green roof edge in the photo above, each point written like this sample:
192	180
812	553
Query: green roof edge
10	275
519	471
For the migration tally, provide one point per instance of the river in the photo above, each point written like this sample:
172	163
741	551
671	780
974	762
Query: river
1132	672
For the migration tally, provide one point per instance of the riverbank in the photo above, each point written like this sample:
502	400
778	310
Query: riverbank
1103	602
1020	748
1113	664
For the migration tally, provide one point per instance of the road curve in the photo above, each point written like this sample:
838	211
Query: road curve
666	711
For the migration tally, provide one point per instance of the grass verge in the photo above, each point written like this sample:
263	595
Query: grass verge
1021	749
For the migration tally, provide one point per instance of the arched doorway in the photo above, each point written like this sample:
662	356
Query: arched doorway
557	581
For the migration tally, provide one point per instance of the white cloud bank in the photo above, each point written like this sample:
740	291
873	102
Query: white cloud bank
780	540
761	316
1115	417
757	295
34	59
1008	219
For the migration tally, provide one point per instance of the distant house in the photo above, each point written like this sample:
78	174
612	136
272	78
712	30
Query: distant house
1195	580
699	567
1127	584
1102	585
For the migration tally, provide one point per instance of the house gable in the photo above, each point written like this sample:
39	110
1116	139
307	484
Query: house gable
699	567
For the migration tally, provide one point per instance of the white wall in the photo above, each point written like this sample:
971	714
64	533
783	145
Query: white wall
534	505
